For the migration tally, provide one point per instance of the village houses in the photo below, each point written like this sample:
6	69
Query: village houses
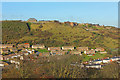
94	66
92	51
23	45
68	48
32	20
99	49
6	45
58	52
75	52
38	46
82	48
54	48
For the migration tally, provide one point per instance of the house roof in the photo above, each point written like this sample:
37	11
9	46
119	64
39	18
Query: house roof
38	45
98	60
32	19
68	47
106	59
37	53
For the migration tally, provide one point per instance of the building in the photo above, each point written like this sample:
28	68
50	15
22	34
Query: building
99	49
32	20
24	45
71	23
92	51
5	50
1	57
6	57
44	54
58	52
114	58
103	52
97	61
82	48
41	46
94	66
67	48
6	45
54	48
75	52
106	60
13	50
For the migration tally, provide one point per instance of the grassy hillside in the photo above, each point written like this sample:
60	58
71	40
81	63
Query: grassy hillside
59	34
12	31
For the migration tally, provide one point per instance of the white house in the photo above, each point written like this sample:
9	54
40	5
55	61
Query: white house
1	57
97	61
38	46
1	64
115	58
106	60
26	53
68	48
16	62
21	58
103	52
30	52
94	66
14	56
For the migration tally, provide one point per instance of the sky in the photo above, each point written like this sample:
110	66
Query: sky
104	13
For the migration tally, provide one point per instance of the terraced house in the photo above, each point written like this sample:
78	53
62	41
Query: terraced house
82	48
54	48
39	46
23	45
6	45
68	48
32	20
99	49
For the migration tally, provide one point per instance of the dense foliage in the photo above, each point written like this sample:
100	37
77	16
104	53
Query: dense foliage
59	67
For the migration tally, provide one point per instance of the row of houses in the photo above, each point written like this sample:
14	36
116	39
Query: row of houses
99	63
42	46
33	20
6	48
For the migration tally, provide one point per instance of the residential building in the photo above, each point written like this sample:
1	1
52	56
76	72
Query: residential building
75	52
5	50
32	20
13	50
82	48
58	52
97	61
41	46
92	51
23	45
99	49
6	45
67	48
104	52
1	57
94	66
114	58
54	48
106	60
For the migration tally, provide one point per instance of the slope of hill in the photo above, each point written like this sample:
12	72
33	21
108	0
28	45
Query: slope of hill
59	34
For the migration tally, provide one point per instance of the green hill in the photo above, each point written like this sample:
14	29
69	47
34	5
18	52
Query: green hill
59	34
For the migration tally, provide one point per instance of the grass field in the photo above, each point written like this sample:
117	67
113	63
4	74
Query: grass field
96	56
42	50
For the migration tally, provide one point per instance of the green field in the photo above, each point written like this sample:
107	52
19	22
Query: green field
96	56
42	50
